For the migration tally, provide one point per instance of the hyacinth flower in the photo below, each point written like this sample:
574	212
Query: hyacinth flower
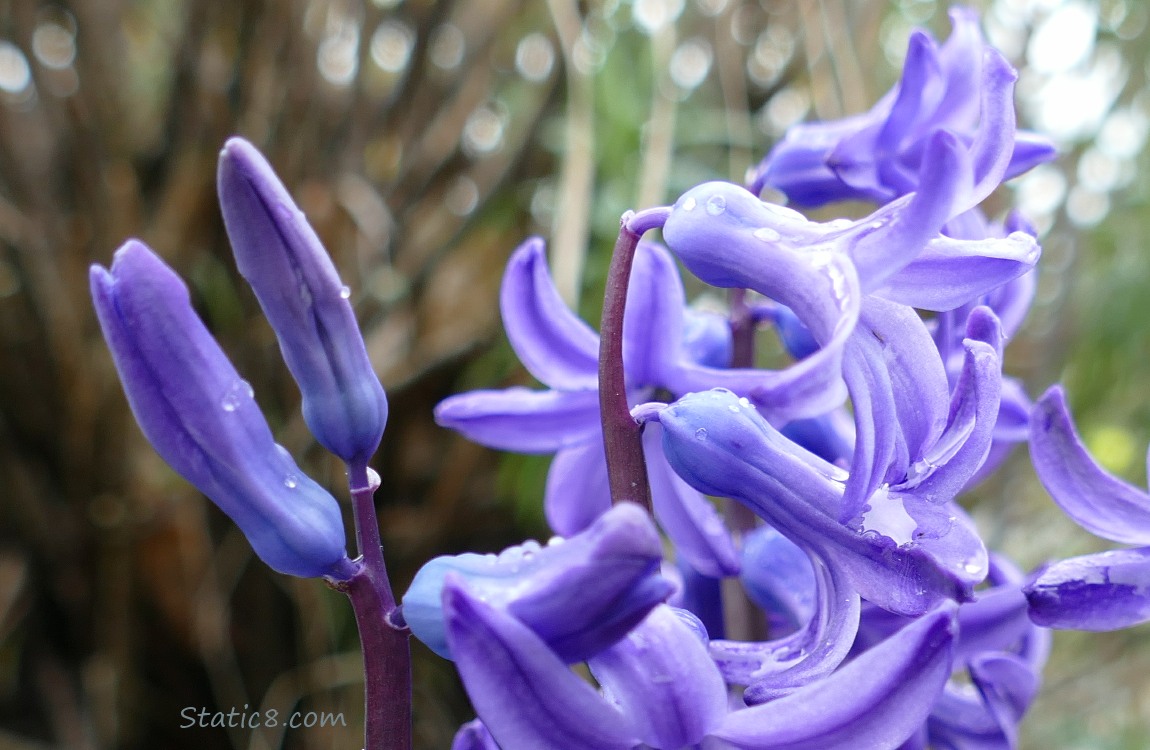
877	156
614	563
307	305
905	553
562	352
1103	591
200	416
661	690
915	450
824	272
998	650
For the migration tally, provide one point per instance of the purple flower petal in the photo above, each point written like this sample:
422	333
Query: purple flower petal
946	468
729	238
724	447
706	339
473	736
689	519
876	701
523	692
201	418
655	301
579	596
950	272
577	490
897	233
778	667
523	420
778	577
553	343
1093	498
662	677
1103	591
300	292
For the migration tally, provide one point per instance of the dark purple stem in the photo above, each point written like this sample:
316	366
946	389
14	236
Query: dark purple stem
622	435
383	635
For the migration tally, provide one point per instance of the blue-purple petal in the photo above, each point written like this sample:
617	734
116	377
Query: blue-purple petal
662	677
579	596
552	342
690	520
1093	498
523	420
875	701
525	694
1100	592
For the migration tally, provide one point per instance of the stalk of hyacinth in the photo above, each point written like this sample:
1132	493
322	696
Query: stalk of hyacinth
201	417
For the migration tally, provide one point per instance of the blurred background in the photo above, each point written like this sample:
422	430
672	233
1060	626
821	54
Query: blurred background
425	139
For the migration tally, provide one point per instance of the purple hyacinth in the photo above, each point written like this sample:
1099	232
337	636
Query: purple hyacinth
877	156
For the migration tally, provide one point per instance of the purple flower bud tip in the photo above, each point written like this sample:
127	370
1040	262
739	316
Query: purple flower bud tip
201	418
579	595
306	303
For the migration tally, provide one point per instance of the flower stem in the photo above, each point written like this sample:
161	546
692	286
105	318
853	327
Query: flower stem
382	633
622	435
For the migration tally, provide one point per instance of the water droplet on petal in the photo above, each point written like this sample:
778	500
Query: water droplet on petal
345	292
766	234
701	433
716	205
291	481
240	391
689	204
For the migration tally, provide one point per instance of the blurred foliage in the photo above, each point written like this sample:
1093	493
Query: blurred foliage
425	139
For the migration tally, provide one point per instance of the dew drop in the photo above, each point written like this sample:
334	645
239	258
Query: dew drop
733	408
701	433
716	205
766	234
345	292
972	567
240	390
291	481
373	479
689	204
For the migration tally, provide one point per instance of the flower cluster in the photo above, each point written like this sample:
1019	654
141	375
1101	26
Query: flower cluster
819	585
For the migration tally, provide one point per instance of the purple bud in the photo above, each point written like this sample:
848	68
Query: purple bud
306	303
201	418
